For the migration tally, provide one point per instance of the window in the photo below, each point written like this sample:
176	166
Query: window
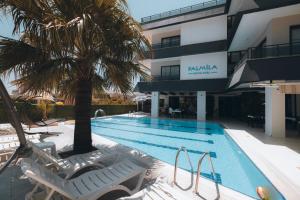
170	72
295	39
161	103
295	34
170	41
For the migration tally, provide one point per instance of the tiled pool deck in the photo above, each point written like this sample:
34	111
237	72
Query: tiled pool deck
279	160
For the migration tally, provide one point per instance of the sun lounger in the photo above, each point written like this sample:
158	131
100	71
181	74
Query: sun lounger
11	146
158	191
48	122
88	186
39	124
73	164
7	148
42	123
14	138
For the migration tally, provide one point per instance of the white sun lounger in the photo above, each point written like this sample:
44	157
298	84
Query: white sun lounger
88	186
73	164
7	148
158	191
11	146
14	138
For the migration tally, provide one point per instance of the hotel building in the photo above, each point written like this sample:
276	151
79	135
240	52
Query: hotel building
237	59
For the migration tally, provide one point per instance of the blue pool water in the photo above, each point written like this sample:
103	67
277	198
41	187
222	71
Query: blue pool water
161	139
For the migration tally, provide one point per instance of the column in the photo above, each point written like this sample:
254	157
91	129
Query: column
275	112
201	105
155	104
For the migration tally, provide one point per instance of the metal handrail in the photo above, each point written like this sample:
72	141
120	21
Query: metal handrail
183	10
176	162
199	170
97	111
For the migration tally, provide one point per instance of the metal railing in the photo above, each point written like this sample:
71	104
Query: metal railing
166	78
207	154
270	51
176	163
184	10
172	43
131	114
101	112
274	50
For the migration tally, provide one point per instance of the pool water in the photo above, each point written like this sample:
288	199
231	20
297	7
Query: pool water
161	138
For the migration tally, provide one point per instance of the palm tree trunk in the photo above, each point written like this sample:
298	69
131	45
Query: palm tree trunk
12	114
83	102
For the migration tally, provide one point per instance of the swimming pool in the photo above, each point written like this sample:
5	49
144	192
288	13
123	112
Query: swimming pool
161	139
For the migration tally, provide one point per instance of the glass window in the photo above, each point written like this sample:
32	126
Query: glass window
165	71
165	42
170	41
174	71
295	34
170	72
295	39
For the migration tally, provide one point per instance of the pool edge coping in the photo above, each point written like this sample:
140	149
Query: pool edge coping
274	176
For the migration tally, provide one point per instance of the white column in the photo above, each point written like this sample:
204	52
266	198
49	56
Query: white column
275	112
155	104
201	105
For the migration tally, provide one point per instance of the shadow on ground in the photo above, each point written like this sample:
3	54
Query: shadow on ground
14	186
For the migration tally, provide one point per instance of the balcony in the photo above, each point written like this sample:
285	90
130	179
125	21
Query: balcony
209	85
166	78
267	63
182	11
171	43
270	51
263	4
158	78
175	49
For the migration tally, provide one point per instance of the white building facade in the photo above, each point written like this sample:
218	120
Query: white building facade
200	56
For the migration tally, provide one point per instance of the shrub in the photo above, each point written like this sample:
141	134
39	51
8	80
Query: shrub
35	113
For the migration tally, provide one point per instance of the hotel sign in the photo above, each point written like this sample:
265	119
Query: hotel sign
203	69
204	66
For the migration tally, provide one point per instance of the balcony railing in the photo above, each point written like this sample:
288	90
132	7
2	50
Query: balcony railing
270	51
172	43
188	9
162	78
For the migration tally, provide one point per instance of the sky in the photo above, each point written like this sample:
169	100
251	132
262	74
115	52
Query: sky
138	9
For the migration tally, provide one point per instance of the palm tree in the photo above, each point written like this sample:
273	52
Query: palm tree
75	48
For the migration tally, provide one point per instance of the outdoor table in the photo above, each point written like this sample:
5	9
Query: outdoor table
177	111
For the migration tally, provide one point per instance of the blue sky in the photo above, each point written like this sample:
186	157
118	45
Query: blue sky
138	9
144	8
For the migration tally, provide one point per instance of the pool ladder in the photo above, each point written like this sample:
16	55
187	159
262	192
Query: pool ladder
101	112
131	114
182	149
206	154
